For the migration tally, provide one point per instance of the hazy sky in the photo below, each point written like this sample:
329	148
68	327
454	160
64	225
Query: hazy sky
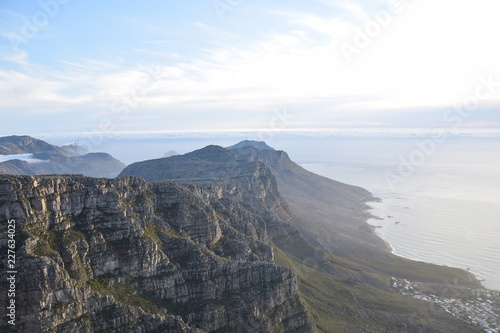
121	66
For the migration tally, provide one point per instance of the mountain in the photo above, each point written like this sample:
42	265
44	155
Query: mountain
125	255
45	158
337	209
210	163
170	153
344	269
73	148
212	244
14	145
261	145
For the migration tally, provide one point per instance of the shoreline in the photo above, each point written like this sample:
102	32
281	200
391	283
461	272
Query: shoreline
368	211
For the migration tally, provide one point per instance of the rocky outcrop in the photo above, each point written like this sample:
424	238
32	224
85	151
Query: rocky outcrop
334	208
75	149
250	184
339	205
125	255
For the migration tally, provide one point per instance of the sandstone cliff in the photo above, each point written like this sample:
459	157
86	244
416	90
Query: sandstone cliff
343	268
125	255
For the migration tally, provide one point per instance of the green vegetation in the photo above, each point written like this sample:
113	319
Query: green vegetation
56	243
151	232
57	240
124	294
352	306
70	236
43	249
86	318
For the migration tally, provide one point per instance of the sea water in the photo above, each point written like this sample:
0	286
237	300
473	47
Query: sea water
445	211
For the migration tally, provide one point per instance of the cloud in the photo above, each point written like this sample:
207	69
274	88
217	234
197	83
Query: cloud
14	55
425	58
34	94
340	132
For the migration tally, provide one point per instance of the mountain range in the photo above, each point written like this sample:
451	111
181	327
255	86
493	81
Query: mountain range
30	156
236	239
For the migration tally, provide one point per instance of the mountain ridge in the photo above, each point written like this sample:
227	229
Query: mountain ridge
332	239
24	144
51	159
220	240
184	257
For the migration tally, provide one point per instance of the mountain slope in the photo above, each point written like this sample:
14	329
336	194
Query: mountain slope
124	255
50	159
344	269
333	216
331	205
12	145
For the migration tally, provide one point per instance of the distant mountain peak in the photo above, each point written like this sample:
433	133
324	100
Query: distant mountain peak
74	148
212	153
171	153
45	158
24	144
251	143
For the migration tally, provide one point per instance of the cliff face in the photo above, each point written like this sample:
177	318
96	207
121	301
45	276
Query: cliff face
312	198
343	267
126	255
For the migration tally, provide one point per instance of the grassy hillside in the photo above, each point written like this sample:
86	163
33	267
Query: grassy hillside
363	301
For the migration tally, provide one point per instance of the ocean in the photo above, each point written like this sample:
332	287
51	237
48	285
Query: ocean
447	211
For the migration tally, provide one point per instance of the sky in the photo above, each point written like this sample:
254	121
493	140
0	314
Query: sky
69	66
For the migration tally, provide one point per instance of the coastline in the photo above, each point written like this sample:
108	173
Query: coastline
478	307
377	231
374	228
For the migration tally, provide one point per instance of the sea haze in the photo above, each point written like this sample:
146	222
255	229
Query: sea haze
23	157
447	211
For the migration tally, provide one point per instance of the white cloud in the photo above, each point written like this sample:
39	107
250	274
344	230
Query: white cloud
429	56
14	55
34	94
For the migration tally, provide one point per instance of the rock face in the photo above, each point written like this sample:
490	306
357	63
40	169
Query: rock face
320	199
50	159
125	255
336	208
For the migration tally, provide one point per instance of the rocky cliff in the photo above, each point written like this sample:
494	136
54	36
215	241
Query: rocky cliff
344	269
125	255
